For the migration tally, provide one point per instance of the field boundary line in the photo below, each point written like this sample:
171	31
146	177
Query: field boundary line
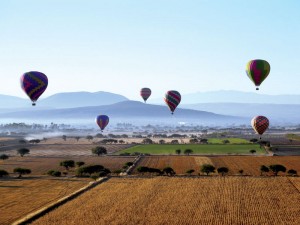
294	185
46	209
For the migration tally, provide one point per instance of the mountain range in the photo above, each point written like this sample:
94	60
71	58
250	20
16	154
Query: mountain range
223	107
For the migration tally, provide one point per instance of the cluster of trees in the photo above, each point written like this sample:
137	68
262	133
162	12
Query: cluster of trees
167	170
186	151
276	168
20	171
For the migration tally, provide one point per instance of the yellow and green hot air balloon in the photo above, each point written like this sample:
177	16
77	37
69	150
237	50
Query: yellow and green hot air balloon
258	70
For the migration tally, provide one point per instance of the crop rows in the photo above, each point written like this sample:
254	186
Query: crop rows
20	197
205	200
250	164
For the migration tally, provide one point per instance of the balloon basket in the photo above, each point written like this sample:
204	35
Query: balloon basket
33	104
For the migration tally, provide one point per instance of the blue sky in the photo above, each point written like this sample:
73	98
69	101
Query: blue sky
121	46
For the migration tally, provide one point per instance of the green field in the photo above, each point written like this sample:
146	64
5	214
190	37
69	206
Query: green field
197	148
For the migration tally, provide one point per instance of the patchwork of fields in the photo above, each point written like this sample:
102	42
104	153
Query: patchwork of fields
205	200
197	149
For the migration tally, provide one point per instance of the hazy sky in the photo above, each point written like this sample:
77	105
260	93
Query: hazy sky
121	46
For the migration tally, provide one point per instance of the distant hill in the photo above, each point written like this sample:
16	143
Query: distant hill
128	110
234	97
63	100
279	113
7	101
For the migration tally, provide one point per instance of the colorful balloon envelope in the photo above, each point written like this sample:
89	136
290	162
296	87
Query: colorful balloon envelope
102	121
172	99
145	93
258	70
34	84
260	124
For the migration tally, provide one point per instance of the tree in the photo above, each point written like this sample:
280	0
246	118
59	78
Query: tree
4	157
253	140
147	141
207	168
142	169
128	164
252	151
276	168
292	172
161	141
226	141
3	173
89	169
121	141
22	171
77	138
193	140
189	172
67	164
80	163
99	150
178	151
23	151
223	170
263	169
54	173
203	141
175	142
188	151
169	171
64	137
34	141
89	137
22	141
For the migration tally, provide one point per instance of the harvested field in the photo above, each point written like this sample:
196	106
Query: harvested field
250	164
62	149
40	165
20	197
205	200
286	150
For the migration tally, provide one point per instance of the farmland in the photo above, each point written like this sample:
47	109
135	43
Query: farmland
250	164
40	165
205	200
197	148
22	196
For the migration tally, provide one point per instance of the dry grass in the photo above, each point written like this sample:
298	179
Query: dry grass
212	200
40	165
250	164
22	196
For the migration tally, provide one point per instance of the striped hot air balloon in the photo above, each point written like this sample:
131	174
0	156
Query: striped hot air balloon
260	124
172	99
34	84
258	70
145	93
102	121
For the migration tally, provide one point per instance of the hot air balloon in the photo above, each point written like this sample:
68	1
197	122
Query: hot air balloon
172	99
102	121
258	70
145	93
260	124
34	84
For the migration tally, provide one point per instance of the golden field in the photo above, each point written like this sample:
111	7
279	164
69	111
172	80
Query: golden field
163	200
19	197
